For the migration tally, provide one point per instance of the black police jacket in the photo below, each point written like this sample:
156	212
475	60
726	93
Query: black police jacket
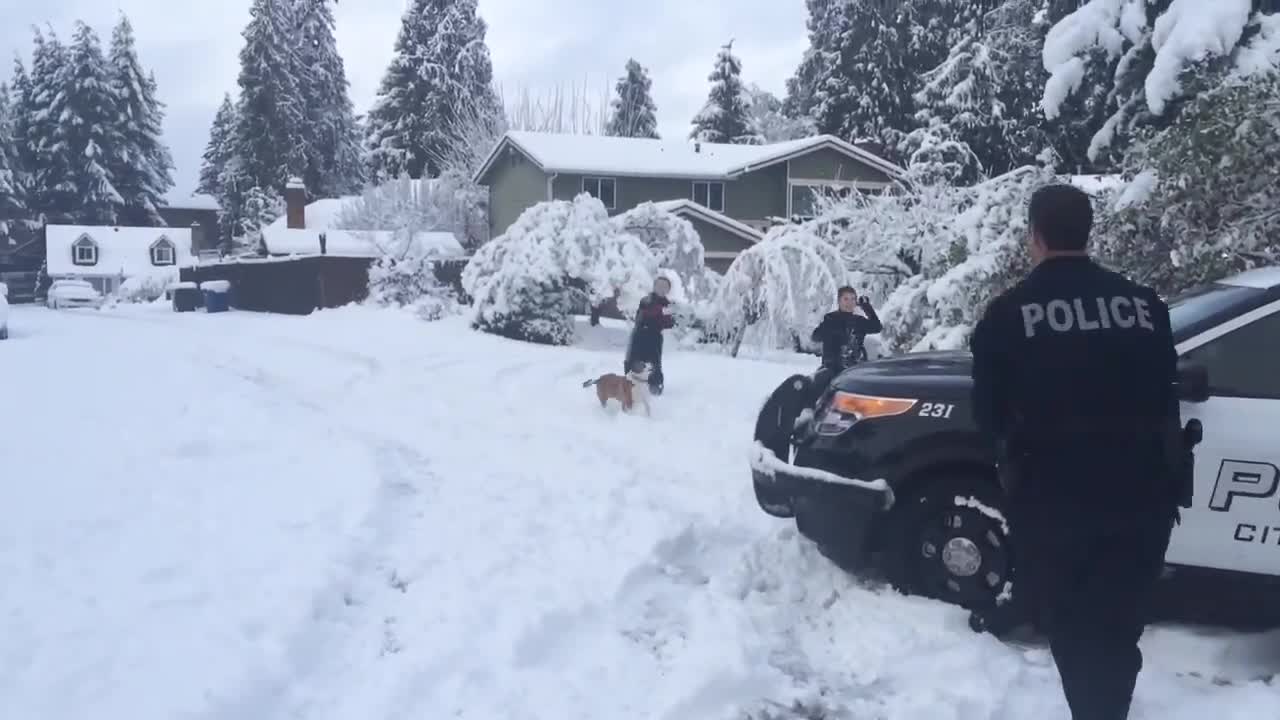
1074	373
842	335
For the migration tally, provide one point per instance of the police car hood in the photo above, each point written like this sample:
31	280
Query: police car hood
910	372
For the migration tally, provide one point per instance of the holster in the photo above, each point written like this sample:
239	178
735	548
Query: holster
1011	465
1183	461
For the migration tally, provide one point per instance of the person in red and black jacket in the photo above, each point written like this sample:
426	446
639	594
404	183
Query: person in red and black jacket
652	317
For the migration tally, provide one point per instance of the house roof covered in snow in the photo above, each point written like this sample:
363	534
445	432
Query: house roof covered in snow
358	243
646	157
706	214
120	250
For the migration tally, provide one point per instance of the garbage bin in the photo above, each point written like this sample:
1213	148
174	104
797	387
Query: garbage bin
186	296
217	295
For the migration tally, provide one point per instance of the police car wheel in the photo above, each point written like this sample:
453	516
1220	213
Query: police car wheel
949	547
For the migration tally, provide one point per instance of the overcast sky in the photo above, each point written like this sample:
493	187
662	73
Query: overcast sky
535	44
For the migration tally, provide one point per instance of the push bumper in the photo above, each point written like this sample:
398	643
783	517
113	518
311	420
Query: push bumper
830	509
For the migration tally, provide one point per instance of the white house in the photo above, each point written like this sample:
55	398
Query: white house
107	256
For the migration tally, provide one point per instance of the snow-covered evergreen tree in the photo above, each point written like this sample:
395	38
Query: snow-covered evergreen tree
767	119
218	150
47	160
724	119
140	163
20	150
634	114
268	140
1147	59
1203	200
334	165
866	90
825	25
13	208
986	93
440	68
86	110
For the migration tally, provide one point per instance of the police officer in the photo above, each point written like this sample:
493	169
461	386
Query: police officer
1073	376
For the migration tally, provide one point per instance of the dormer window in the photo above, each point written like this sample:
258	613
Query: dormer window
84	251
163	252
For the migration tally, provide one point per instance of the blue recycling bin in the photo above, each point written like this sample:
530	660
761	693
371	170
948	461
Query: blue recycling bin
217	295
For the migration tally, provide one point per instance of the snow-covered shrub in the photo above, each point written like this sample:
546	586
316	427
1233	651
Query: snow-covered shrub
557	256
677	248
1203	196
932	256
778	289
411	283
143	288
986	254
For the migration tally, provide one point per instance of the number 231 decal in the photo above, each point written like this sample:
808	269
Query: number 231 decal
936	410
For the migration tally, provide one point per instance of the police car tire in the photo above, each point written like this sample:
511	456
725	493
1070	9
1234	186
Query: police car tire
910	520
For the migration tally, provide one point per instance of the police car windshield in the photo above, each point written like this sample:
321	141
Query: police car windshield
1207	305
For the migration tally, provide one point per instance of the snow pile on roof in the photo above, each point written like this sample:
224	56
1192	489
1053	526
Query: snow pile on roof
121	250
358	243
646	157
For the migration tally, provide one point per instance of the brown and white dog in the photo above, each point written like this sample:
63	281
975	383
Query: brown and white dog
626	389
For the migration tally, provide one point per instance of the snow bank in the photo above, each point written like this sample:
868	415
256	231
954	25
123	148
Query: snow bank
294	544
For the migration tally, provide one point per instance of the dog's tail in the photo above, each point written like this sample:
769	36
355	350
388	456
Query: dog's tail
589	383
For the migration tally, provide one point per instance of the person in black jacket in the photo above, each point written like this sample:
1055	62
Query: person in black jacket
843	333
1074	373
652	317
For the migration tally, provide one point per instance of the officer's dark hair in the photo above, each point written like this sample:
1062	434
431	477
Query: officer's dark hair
1063	217
845	290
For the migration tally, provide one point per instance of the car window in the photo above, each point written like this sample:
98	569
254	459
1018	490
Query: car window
1243	362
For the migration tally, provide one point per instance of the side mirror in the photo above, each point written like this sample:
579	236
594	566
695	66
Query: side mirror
1193	382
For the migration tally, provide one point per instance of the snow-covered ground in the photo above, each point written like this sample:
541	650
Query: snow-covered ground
359	516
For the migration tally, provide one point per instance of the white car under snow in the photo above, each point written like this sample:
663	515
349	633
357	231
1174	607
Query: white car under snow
72	294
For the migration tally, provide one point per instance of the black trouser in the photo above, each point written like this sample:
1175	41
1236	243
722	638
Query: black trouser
1090	589
646	347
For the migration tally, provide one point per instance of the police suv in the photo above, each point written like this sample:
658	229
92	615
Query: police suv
888	469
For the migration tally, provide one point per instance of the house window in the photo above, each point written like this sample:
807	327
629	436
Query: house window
602	189
709	195
84	251
804	198
162	252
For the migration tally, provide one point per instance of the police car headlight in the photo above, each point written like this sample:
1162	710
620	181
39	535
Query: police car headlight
845	409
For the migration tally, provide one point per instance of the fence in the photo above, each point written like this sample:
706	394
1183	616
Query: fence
301	285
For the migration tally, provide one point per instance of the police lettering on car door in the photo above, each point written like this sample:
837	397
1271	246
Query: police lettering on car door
1257	481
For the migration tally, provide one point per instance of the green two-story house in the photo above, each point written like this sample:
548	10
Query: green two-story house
730	193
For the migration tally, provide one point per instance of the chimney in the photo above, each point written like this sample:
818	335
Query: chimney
295	204
697	147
